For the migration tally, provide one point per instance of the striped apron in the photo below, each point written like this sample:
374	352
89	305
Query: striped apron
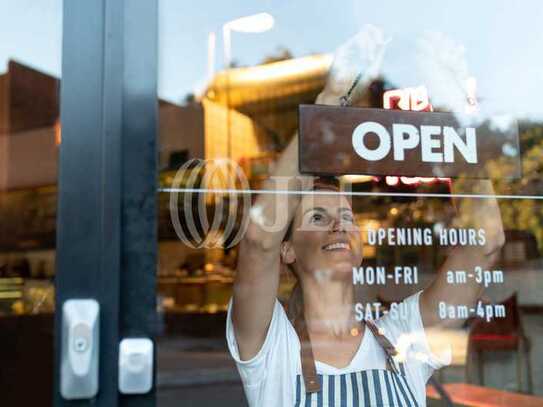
365	388
368	388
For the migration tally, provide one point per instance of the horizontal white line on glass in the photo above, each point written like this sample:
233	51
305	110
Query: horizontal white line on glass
405	194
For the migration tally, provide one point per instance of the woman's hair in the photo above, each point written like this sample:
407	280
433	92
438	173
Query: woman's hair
295	305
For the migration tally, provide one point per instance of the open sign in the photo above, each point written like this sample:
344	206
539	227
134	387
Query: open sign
350	140
437	144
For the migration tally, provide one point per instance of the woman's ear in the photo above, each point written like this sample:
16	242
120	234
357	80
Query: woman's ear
287	253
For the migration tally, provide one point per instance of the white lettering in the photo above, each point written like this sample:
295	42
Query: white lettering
468	149
401	143
400	236
428	144
360	133
437	144
407	137
462	237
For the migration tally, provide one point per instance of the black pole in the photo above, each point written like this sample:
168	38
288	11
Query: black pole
139	181
106	225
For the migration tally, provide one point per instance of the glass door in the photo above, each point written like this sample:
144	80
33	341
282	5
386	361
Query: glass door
440	191
291	203
77	203
30	134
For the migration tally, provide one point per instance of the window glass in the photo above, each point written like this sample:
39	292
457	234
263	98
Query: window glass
30	135
363	179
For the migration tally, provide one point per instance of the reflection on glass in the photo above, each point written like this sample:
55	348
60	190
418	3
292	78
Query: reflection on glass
29	141
28	196
408	223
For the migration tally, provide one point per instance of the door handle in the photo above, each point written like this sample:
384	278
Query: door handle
80	349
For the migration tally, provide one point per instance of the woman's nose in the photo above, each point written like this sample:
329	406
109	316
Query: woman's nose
338	225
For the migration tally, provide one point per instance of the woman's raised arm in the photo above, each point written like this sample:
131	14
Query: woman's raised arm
257	277
479	213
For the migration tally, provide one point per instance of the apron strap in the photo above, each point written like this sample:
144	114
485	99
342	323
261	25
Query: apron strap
309	371
386	345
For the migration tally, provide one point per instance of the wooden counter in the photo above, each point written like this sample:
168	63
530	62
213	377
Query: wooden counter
478	396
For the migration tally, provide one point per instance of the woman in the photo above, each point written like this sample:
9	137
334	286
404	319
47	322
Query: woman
319	354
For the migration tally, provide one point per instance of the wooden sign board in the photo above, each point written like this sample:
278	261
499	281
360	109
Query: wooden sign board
336	140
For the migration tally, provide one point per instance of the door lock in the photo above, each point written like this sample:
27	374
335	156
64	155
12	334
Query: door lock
136	365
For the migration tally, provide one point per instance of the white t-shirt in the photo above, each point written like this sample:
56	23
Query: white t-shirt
269	378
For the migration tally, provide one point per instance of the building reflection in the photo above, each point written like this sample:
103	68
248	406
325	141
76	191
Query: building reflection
249	114
261	103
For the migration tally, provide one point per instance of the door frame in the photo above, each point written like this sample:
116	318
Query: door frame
106	222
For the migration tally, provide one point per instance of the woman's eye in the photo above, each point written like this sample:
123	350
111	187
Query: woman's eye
317	217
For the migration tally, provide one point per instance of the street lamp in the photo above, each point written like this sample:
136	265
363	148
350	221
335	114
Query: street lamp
256	23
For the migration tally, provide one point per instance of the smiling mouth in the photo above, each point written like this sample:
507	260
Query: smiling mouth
337	246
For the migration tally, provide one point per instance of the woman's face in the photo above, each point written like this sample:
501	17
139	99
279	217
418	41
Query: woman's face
325	239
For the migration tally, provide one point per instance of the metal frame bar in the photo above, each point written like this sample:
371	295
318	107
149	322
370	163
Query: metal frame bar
106	225
139	182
